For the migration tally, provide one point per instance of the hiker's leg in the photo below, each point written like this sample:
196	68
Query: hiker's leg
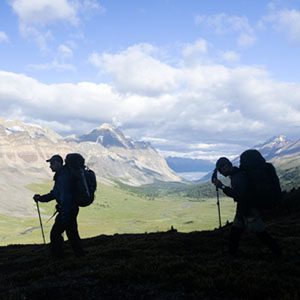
56	239
270	242
236	233
73	236
234	239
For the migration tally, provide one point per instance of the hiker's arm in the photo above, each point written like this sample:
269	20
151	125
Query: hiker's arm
47	197
43	198
238	187
226	189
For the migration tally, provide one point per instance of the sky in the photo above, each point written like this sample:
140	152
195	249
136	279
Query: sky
196	78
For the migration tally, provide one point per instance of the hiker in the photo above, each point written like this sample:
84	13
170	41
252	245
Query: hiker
246	217
67	209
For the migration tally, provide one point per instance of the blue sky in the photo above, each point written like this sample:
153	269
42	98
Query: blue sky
196	78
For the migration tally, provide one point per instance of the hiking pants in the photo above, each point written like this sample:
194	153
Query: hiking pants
56	238
252	223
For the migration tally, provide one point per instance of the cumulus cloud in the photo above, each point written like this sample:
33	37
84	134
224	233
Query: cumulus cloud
184	105
137	70
225	24
285	21
3	37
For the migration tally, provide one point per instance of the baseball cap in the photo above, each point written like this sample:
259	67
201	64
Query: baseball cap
54	158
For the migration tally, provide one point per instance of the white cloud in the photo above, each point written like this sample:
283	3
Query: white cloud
230	56
60	62
54	65
137	70
65	52
36	16
199	47
285	21
3	37
195	53
42	12
187	105
226	24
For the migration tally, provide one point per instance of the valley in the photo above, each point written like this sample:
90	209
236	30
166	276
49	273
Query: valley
117	210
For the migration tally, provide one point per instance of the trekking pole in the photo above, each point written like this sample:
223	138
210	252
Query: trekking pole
213	177
38	209
218	204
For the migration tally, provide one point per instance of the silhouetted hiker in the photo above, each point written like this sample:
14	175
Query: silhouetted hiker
67	209
246	217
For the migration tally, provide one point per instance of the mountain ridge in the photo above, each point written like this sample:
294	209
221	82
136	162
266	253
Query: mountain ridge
24	149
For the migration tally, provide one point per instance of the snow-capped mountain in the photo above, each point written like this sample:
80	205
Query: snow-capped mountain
273	147
108	136
24	149
8	127
284	154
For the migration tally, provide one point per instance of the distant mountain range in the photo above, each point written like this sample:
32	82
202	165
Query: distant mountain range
284	154
24	149
183	164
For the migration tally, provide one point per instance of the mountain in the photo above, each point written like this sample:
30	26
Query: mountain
285	155
25	147
182	164
273	147
161	265
107	136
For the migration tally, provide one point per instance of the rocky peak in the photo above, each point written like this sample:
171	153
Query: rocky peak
272	147
33	131
108	136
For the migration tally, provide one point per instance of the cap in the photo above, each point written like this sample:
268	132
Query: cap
54	158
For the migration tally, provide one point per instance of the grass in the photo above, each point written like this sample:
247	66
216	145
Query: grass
117	210
163	266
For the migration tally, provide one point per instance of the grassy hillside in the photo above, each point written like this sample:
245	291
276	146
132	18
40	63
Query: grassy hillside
119	210
170	265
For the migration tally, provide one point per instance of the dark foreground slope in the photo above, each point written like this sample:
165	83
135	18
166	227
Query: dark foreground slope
167	265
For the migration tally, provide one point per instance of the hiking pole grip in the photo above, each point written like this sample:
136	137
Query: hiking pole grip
41	224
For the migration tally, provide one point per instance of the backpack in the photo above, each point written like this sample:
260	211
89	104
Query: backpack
263	183
84	183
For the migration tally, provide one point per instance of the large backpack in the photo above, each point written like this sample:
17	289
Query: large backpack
84	182
263	183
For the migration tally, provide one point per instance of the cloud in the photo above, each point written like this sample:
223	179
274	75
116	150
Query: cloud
35	16
152	99
65	52
54	65
195	53
199	47
3	37
34	97
137	70
224	24
285	21
230	56
42	12
60	62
